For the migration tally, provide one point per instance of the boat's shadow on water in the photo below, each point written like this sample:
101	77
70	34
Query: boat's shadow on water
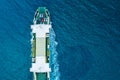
77	60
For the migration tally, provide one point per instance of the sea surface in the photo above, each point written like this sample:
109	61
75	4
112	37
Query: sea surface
87	36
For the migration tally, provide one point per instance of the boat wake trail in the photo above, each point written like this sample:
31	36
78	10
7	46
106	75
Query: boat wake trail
55	74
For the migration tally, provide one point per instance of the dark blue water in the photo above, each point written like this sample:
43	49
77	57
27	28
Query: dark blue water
87	32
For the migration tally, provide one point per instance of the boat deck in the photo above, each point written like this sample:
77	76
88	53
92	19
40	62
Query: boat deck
41	76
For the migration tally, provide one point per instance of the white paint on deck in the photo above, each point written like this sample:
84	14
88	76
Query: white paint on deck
40	29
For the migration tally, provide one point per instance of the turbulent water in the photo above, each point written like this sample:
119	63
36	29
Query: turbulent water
55	74
87	33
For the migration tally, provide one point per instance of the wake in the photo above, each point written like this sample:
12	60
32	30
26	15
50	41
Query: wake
55	74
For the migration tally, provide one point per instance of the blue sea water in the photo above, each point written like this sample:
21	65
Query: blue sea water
87	33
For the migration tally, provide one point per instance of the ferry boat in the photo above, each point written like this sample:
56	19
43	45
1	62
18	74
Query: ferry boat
40	44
